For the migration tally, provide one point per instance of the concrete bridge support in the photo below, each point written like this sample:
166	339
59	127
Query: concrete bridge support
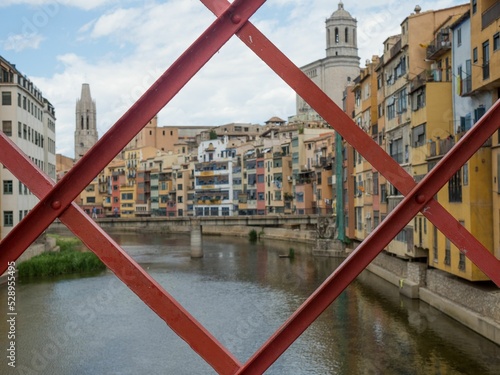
196	239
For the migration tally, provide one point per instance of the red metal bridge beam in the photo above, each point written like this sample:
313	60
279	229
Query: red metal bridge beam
418	197
364	144
153	100
124	267
415	201
57	202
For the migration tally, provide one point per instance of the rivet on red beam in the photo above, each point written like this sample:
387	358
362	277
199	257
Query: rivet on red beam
420	198
56	205
236	19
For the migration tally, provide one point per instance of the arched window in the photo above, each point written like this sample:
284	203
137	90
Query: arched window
337	35
81	122
346	32
87	123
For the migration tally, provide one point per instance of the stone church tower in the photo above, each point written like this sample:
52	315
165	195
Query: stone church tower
86	128
340	66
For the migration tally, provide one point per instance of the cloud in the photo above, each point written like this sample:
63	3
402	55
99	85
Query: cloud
81	4
20	42
115	22
234	86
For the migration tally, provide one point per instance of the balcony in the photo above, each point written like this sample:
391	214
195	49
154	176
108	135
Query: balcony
440	147
440	45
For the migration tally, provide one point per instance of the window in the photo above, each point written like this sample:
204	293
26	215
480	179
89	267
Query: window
478	113
447	253
498	173
465	123
496	42
7	128
383	193
486	60
419	99
128	196
418	135
90	199
461	258
474	55
7	187
375	183
455	188
6	98
465	172
459	36
402	236
358	218
396	150
8	218
391	111
474	6
435	243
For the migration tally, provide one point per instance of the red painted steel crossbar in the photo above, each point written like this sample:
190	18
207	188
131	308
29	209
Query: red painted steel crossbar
418	197
367	147
120	134
57	202
233	18
125	268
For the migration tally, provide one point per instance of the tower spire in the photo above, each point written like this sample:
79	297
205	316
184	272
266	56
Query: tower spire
85	123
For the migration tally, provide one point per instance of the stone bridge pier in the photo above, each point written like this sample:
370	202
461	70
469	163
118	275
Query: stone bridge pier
196	239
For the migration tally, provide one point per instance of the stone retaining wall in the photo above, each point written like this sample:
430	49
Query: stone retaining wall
484	300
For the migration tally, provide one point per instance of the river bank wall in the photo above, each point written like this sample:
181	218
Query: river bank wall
475	305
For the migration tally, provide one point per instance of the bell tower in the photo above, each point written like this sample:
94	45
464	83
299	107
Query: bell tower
340	66
86	128
341	38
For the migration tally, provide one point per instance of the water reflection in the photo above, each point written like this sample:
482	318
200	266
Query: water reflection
242	293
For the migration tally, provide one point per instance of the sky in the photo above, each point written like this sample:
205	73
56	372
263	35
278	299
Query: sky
121	47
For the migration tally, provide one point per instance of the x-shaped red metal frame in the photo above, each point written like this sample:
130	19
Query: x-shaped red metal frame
57	200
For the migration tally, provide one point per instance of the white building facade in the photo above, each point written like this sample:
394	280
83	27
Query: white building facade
214	179
29	120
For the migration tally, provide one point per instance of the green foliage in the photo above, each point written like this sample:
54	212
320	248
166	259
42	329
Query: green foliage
213	134
66	261
252	235
291	253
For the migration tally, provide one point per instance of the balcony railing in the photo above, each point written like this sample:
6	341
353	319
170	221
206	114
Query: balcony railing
441	147
439	45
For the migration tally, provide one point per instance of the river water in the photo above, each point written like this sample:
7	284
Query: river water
242	293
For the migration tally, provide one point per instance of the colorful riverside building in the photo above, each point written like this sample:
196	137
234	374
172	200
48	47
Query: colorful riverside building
403	125
213	175
28	119
485	72
366	191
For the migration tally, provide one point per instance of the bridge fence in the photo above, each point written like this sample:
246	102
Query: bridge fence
56	200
